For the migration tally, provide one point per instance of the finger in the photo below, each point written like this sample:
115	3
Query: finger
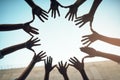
33	28
52	13
65	64
44	17
35	39
67	15
30	35
86	42
81	25
34	32
72	17
58	12
84	39
85	36
78	20
45	14
44	11
49	10
42	54
78	23
36	44
40	18
76	59
61	63
71	61
75	15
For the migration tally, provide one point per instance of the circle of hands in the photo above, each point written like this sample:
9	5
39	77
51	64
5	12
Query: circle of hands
72	15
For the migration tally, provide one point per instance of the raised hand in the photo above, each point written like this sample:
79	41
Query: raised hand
30	43
88	39
48	64
72	13
63	69
36	10
76	63
54	8
29	29
48	67
90	51
39	56
84	19
39	12
36	58
79	66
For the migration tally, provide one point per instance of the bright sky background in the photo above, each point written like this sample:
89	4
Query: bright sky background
60	38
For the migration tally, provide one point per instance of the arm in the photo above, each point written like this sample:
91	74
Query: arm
35	59
29	44
93	52
30	3
26	27
95	36
88	17
79	66
48	67
63	69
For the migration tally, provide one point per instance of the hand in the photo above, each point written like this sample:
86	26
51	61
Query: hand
30	43
39	56
84	19
54	7
29	29
76	63
39	12
62	68
92	52
72	12
88	39
48	64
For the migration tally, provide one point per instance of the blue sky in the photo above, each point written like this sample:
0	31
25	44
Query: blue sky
60	38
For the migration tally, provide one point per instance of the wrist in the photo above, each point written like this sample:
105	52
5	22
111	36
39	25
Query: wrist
1	56
65	77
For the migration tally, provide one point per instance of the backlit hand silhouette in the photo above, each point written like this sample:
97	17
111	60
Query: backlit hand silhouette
88	39
39	56
90	51
76	63
79	66
48	67
63	69
48	64
29	29
72	13
54	8
36	58
39	12
30	43
36	10
84	19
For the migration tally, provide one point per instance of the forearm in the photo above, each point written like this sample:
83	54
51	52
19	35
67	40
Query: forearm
11	49
113	57
84	75
113	41
79	2
94	6
30	3
65	77
27	71
8	27
46	77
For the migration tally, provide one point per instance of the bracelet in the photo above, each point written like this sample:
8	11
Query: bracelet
1	56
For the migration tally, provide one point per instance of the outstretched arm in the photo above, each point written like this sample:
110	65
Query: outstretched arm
36	10
73	9
88	39
63	69
88	17
48	67
25	26
79	66
93	52
29	44
36	58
